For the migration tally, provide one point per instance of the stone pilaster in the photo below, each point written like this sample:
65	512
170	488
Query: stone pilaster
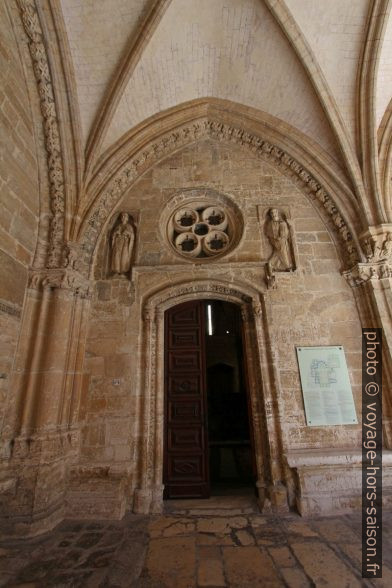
143	494
371	282
41	439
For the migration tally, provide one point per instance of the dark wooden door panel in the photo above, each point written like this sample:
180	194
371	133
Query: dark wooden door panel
183	386
185	315
185	361
183	467
185	411
186	455
182	439
184	338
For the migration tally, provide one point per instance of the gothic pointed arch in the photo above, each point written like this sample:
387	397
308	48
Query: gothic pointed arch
260	137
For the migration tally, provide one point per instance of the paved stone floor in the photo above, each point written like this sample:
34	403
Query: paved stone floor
221	542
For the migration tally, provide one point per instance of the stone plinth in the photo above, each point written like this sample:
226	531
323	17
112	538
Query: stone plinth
97	492
329	481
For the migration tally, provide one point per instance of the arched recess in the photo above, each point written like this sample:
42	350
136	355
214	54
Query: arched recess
262	386
263	137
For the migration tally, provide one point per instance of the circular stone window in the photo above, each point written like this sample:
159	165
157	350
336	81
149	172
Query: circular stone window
202	224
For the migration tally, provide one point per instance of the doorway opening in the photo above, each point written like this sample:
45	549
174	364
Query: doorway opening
229	439
208	448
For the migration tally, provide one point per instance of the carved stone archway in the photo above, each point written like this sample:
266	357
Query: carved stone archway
123	169
148	496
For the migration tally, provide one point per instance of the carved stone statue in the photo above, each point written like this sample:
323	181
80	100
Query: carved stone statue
122	242
278	233
368	249
387	247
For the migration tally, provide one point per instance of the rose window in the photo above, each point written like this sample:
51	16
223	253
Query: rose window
201	231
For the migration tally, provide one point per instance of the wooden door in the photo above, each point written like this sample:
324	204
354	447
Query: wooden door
186	443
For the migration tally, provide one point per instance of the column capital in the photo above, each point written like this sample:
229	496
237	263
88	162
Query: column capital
376	243
60	278
361	273
148	314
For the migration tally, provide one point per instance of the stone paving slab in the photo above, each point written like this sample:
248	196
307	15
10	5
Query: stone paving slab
177	551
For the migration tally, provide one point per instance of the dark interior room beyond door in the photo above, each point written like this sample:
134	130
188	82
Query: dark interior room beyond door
207	444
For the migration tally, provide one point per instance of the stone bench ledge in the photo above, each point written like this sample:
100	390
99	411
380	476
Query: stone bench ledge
320	457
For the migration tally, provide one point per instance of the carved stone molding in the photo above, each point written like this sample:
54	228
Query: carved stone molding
203	287
43	77
62	278
184	136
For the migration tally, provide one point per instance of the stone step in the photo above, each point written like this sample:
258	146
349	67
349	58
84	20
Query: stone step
214	506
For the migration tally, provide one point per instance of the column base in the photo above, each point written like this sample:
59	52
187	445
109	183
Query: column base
148	500
278	497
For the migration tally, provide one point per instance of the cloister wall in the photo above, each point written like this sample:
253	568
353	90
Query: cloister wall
312	305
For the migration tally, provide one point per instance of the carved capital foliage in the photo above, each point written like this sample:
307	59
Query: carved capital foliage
43	77
221	132
365	272
377	245
61	278
149	314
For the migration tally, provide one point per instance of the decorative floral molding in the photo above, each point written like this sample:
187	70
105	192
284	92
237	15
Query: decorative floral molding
43	77
185	135
165	298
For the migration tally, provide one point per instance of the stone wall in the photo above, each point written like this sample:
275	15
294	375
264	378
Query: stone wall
311	306
18	195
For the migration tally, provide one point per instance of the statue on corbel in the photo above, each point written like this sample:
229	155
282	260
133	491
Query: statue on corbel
122	242
279	234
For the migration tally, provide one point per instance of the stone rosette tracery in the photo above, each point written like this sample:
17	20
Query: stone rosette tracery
201	224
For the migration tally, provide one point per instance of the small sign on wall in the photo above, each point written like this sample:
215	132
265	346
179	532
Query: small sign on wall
326	387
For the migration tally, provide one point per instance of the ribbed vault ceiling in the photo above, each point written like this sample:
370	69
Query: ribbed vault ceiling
301	61
98	33
224	49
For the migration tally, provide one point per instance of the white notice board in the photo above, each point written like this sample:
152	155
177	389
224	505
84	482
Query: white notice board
326	387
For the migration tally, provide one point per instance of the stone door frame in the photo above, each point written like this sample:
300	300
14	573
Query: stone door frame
148	497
